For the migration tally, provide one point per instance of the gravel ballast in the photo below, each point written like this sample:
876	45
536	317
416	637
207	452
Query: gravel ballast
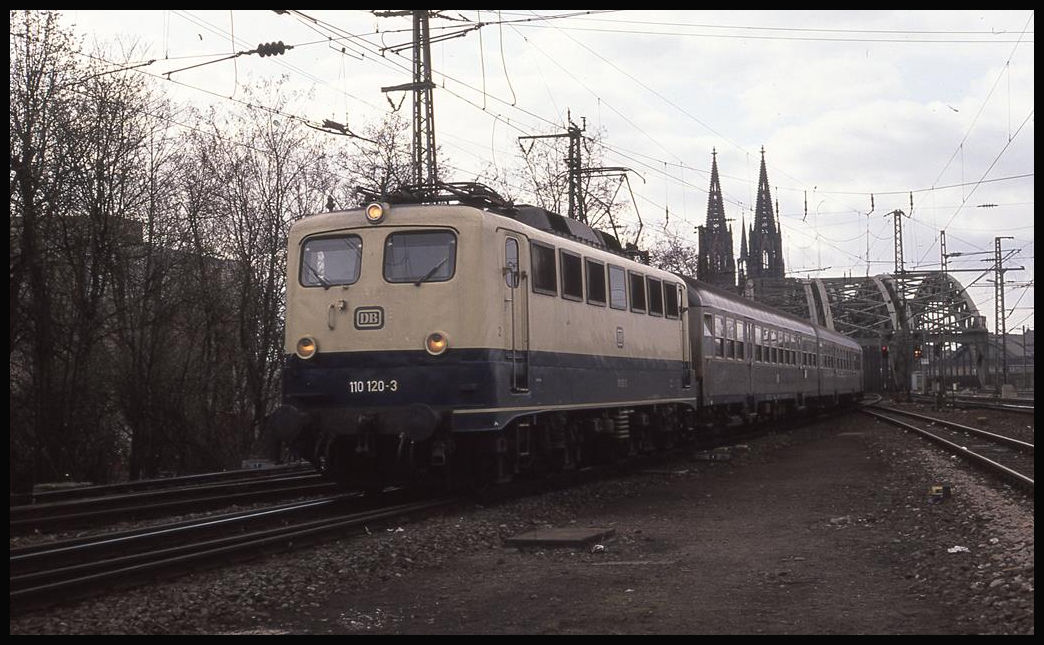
826	529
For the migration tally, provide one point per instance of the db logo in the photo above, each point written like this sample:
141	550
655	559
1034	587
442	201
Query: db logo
369	317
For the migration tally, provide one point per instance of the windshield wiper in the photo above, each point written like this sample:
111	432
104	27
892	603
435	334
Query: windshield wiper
319	278
432	272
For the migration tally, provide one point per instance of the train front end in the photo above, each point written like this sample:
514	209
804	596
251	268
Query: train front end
379	345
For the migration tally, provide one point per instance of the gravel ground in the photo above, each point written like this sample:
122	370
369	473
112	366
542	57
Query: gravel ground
828	529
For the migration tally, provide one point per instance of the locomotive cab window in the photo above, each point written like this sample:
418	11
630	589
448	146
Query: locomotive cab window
572	276
595	282
330	261
637	292
617	287
420	256
655	296
545	279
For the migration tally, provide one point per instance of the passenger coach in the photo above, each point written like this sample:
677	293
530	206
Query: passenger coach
752	359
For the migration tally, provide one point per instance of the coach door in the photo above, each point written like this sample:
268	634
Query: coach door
516	300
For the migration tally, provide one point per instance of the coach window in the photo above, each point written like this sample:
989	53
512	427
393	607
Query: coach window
637	292
617	287
719	336
670	300
774	342
572	276
328	261
730	338
655	288
595	282
741	337
543	262
756	339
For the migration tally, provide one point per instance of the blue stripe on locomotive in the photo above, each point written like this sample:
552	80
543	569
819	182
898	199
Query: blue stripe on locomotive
475	383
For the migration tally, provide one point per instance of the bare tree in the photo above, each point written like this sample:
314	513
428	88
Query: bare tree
41	65
379	161
672	253
278	172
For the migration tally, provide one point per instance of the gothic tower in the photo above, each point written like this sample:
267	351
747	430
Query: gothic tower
765	240
716	263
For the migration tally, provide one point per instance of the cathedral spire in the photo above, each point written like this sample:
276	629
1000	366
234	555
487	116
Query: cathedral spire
717	264
766	245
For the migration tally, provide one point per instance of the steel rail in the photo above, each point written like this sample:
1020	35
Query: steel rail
55	585
1014	443
974	457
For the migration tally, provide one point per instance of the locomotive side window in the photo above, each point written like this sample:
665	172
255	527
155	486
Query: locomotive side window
670	300
511	262
572	276
330	260
655	296
420	256
617	287
595	282
544	274
637	292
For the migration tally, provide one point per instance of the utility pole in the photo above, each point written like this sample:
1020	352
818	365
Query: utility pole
574	164
903	335
1025	372
425	167
1000	322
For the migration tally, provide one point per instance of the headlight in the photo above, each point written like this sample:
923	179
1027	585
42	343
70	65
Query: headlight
436	343
375	212
306	347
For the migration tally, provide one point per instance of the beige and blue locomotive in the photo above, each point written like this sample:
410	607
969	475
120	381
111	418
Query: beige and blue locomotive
462	343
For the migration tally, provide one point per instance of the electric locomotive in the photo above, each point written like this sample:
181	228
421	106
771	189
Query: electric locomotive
468	343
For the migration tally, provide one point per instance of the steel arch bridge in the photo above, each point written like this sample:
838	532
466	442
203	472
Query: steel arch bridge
909	323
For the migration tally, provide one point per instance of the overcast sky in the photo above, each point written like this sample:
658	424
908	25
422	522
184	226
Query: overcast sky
847	104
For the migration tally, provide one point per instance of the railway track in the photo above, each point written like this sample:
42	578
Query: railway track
1001	455
1022	406
59	572
55	573
180	497
141	485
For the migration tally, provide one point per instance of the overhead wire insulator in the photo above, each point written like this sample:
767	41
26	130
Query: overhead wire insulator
272	49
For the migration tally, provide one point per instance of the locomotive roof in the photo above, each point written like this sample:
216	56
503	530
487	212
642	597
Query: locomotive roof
485	198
